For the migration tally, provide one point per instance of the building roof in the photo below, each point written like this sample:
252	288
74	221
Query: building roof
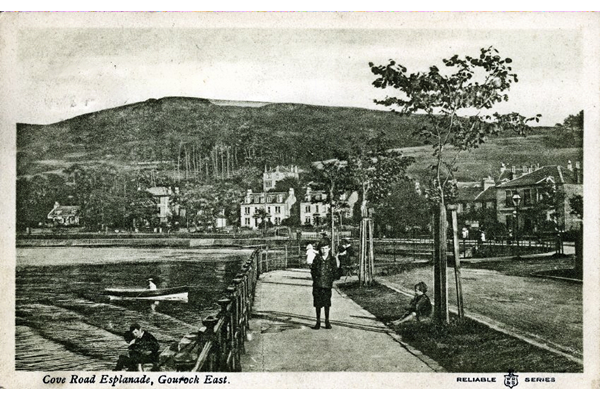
487	195
64	211
467	192
558	174
159	191
283	169
268	198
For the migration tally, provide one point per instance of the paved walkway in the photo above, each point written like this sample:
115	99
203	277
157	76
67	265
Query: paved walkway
281	340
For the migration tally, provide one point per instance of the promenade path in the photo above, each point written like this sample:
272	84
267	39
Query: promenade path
281	338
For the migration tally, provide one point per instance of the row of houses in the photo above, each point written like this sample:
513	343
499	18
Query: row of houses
519	189
277	207
515	191
510	196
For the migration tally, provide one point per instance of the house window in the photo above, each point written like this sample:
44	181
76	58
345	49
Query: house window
269	210
277	210
527	200
247	210
316	208
277	221
247	221
307	209
508	202
279	199
307	220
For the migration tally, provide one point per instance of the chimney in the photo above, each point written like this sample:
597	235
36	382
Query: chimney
578	177
537	166
502	168
487	183
513	172
524	170
570	165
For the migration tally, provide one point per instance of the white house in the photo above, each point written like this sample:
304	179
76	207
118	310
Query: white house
277	205
272	176
64	215
315	206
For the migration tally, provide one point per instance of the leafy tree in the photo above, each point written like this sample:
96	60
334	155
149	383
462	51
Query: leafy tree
335	178
140	208
263	218
403	210
457	100
376	169
576	203
570	132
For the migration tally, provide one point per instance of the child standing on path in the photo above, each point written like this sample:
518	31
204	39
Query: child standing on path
323	272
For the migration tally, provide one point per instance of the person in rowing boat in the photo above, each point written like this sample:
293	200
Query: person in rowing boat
151	284
143	348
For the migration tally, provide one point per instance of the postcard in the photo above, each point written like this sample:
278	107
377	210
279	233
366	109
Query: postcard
299	200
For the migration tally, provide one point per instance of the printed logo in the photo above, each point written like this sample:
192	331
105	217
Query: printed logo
511	380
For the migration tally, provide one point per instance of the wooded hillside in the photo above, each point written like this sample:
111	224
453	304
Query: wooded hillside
198	139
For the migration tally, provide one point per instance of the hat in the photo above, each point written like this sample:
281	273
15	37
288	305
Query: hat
150	279
324	242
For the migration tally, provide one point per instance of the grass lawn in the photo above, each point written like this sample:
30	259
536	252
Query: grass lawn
458	347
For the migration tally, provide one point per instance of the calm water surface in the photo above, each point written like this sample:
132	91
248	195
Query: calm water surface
63	322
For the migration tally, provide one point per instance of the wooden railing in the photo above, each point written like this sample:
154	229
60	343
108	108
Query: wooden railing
219	344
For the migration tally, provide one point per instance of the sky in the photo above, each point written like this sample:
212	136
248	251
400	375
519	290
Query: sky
66	69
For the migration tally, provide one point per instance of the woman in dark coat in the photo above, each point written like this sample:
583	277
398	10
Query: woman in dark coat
323	272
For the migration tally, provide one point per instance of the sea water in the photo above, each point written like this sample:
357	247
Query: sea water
64	322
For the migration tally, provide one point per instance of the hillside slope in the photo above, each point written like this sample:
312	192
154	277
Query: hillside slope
171	128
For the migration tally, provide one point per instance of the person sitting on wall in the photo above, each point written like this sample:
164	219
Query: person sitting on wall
143	348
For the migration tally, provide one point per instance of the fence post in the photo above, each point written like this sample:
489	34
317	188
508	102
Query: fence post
267	259
457	276
226	334
209	335
235	359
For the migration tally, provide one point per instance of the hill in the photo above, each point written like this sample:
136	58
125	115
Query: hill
487	159
205	137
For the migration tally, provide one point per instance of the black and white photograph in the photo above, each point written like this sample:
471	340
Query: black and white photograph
299	200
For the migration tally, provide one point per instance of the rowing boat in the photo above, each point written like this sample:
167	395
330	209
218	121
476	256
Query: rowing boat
179	293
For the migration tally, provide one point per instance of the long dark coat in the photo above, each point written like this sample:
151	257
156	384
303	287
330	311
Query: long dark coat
323	271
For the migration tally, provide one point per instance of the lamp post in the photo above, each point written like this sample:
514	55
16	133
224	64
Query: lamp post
516	201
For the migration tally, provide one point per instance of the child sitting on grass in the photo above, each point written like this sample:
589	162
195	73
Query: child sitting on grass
419	307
